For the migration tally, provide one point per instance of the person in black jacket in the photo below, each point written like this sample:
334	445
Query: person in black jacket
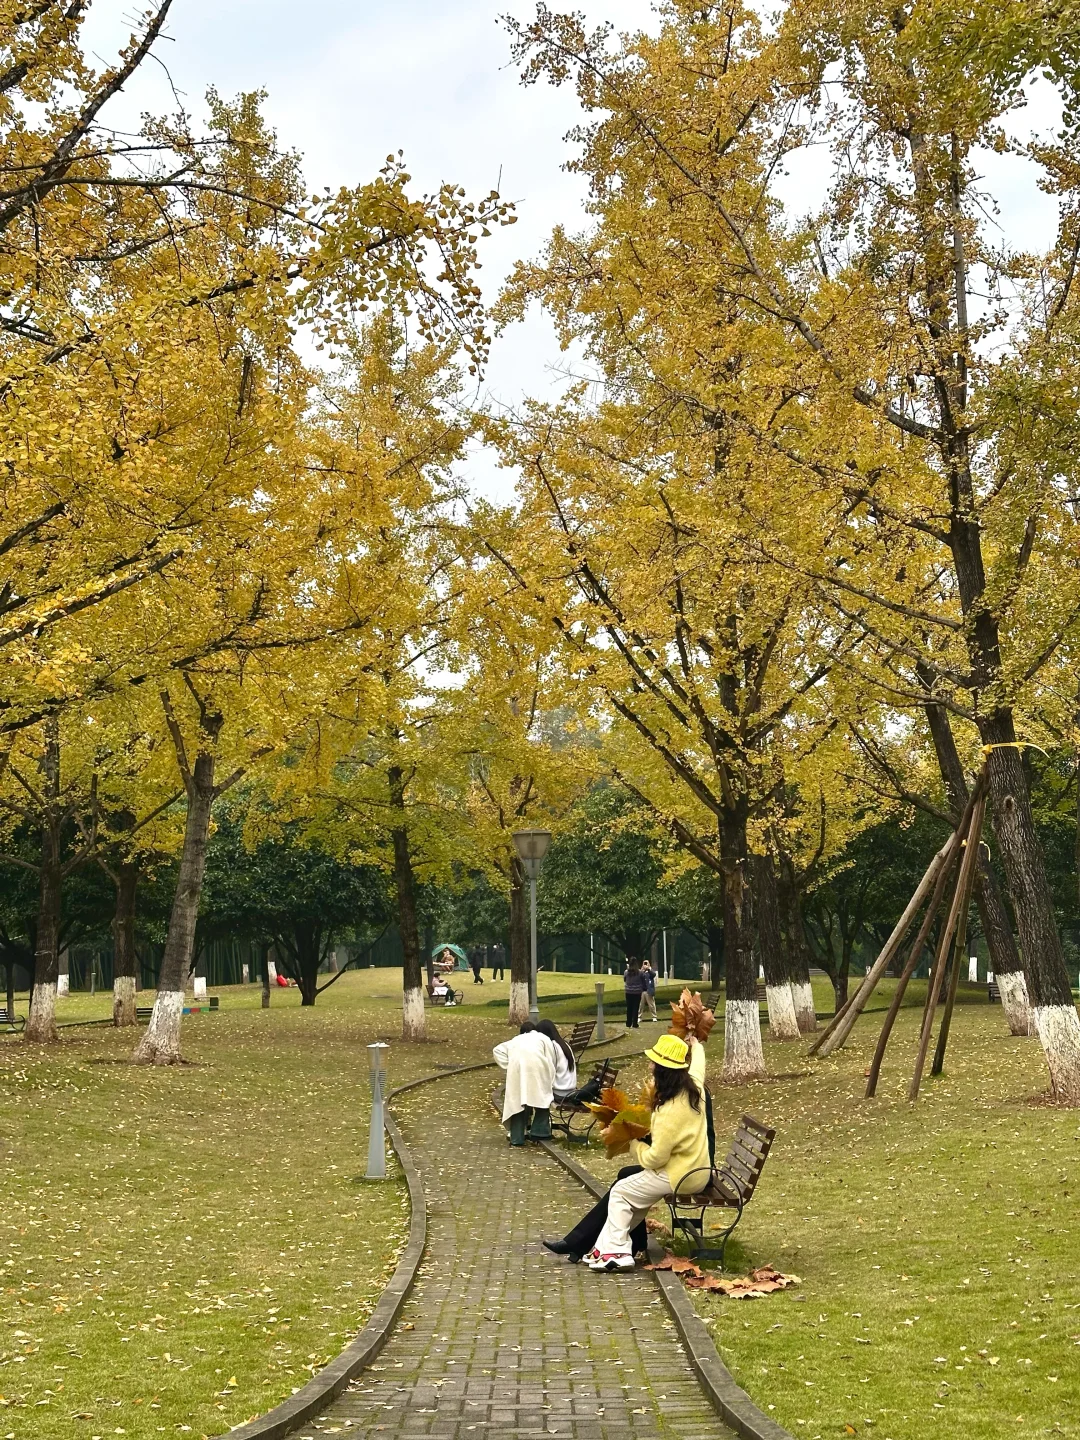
634	986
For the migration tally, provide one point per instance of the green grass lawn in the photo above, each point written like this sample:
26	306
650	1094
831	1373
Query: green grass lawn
936	1242
182	1247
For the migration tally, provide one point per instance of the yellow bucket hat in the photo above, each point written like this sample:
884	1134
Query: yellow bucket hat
671	1052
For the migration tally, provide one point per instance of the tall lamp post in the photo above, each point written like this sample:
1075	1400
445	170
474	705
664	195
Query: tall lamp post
532	846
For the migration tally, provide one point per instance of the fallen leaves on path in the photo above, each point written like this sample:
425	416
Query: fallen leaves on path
754	1286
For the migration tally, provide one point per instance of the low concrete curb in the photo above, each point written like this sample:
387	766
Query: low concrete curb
730	1401
333	1377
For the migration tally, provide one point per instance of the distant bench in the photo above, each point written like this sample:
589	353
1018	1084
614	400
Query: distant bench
452	997
211	1005
10	1021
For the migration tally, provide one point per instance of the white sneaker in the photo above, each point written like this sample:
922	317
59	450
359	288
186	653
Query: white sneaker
596	1261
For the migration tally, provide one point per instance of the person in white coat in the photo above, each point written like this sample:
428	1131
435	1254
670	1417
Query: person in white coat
530	1062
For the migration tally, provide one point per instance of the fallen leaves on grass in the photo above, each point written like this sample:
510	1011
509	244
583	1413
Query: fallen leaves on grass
754	1286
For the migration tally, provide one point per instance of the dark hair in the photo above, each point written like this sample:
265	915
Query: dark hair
547	1027
633	963
527	1027
669	1083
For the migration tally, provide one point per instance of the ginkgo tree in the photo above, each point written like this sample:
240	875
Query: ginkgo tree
114	246
912	432
629	542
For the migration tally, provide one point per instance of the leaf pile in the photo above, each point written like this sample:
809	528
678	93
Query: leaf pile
754	1286
622	1119
689	1017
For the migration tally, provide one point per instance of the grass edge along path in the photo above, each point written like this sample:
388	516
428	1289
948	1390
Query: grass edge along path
181	1249
941	1284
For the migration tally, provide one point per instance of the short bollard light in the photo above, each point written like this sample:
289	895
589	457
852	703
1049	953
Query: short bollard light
601	1033
376	1154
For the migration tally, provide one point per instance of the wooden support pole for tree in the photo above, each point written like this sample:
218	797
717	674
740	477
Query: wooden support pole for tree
962	826
909	970
974	840
842	1024
963	888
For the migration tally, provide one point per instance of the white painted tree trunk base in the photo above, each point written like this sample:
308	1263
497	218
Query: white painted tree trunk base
802	992
413	1019
41	1022
1014	1002
1058	1029
744	1059
783	1024
519	1002
123	1000
161	1043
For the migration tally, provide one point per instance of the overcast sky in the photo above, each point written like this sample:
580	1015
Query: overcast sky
350	81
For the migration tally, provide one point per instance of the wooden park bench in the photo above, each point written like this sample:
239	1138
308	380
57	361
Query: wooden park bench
10	1021
451	995
211	1004
579	1037
729	1186
565	1112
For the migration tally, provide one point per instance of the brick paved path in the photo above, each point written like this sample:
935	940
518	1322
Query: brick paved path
499	1338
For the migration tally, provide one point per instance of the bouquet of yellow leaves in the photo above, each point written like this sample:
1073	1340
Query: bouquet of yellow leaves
622	1119
689	1017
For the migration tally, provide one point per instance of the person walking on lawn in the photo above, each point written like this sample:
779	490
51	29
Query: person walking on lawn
634	986
677	1145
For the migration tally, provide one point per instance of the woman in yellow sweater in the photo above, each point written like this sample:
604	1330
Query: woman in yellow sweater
678	1144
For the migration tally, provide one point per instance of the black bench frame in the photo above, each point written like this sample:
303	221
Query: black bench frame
565	1112
729	1186
11	1022
442	1000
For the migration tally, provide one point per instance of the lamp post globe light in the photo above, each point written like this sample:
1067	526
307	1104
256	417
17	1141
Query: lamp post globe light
532	846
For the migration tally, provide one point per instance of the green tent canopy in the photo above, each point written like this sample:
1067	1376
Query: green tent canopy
458	953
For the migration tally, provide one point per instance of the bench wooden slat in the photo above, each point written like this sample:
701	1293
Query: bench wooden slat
752	1159
580	1036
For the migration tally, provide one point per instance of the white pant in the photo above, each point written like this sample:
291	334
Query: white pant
648	1002
628	1204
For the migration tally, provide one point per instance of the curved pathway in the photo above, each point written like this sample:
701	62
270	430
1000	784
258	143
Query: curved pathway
499	1338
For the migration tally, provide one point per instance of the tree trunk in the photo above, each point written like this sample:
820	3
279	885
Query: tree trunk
840	987
783	1024
307	940
520	960
125	962
41	1021
993	914
1053	1013
413	1018
744	1058
160	1045
266	975
714	939
798	951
